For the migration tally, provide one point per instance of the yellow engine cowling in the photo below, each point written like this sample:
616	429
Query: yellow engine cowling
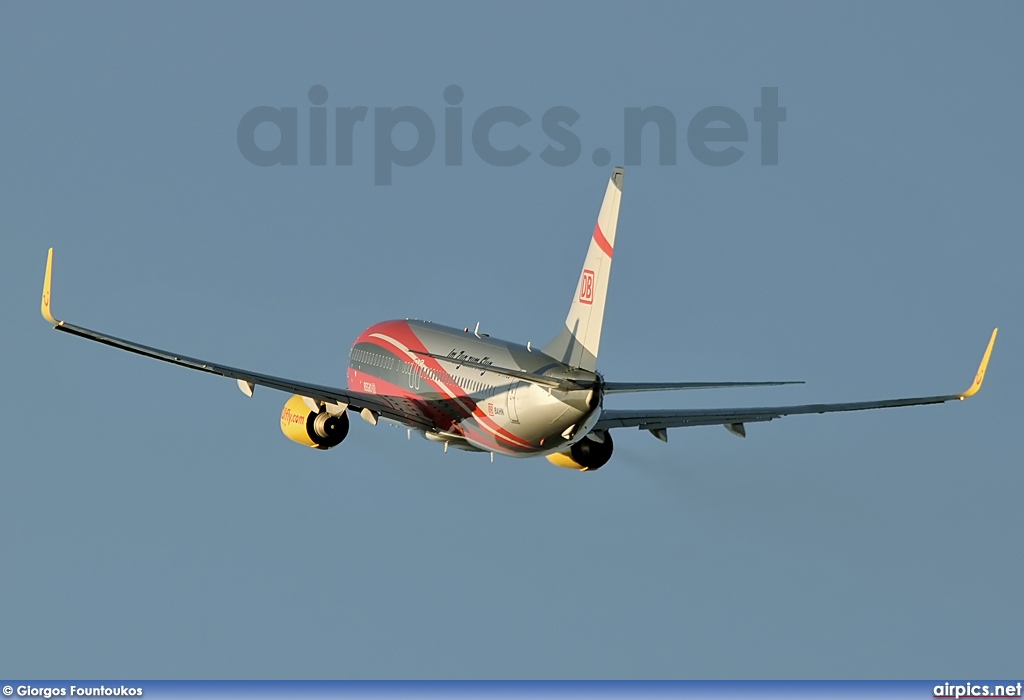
586	455
319	430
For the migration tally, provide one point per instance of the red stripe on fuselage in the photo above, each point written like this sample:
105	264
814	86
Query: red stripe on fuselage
462	402
602	242
429	408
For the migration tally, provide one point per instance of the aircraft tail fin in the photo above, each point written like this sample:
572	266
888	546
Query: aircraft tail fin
577	343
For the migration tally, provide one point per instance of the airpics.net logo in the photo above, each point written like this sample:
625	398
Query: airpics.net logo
956	691
715	136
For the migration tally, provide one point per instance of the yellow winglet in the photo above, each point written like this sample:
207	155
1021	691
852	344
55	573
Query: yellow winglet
980	376
47	298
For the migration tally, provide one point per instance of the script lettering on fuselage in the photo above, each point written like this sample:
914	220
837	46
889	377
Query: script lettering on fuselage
463	356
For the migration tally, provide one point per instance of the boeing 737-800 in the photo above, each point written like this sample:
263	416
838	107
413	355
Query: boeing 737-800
467	390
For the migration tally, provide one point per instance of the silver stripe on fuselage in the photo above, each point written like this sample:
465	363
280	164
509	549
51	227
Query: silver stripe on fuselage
543	415
471	410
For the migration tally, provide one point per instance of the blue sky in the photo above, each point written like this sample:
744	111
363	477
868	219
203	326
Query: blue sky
155	523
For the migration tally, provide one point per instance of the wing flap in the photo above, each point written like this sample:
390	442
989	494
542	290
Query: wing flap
668	418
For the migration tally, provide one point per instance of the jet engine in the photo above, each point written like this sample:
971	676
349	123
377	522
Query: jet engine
318	429
587	455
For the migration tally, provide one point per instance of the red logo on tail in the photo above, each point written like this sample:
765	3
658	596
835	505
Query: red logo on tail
587	287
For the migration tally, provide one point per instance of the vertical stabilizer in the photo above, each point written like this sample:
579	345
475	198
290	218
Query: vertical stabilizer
578	341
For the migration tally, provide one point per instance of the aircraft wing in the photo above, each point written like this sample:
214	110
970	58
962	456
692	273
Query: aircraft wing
389	407
658	420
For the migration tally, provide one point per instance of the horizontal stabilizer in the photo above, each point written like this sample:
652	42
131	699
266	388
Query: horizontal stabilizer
630	387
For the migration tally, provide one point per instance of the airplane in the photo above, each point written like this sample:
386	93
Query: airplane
469	391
